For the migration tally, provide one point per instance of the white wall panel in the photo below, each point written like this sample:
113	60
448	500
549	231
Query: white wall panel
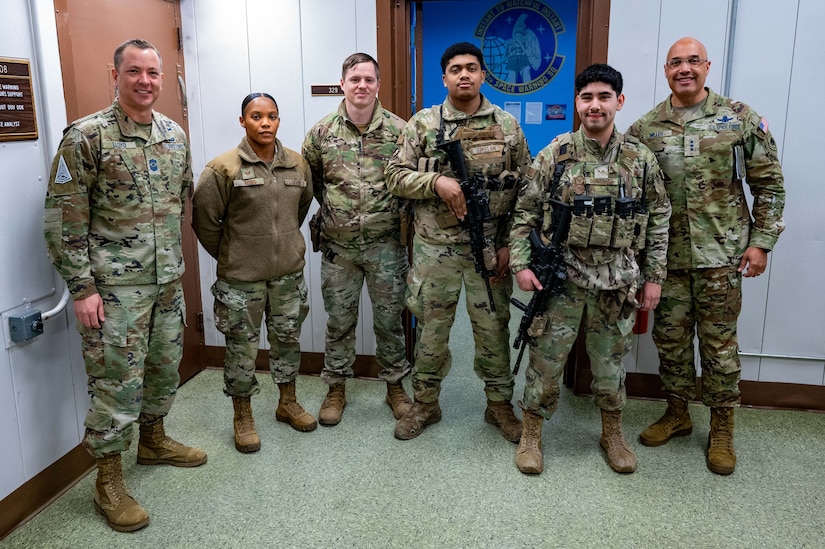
750	368
792	371
705	20
771	55
11	453
275	63
217	80
224	77
324	47
634	50
38	417
795	319
753	50
281	48
25	274
44	393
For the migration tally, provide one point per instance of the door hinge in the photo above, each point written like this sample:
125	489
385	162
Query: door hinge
200	322
180	39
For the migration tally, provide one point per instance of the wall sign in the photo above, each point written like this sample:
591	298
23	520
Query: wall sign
17	116
326	89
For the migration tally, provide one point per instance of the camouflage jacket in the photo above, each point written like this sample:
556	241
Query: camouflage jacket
593	170
418	141
248	214
711	225
115	202
348	176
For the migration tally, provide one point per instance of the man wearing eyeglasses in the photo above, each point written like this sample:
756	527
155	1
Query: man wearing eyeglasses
706	145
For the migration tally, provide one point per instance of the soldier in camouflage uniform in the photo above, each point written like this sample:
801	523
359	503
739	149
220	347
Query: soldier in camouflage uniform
496	155
113	216
248	209
603	255
359	231
706	145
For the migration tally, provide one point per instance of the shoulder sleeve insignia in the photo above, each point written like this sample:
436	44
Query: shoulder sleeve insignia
63	175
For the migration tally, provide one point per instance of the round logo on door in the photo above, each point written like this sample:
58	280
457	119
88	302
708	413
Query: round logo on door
519	42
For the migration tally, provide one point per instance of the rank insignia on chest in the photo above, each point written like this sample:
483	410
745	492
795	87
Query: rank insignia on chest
247	173
691	145
153	165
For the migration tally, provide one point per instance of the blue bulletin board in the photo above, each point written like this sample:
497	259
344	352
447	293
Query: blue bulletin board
529	51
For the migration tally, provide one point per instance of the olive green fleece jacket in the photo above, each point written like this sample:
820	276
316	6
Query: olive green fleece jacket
247	214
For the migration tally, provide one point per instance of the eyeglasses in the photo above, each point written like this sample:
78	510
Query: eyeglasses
677	62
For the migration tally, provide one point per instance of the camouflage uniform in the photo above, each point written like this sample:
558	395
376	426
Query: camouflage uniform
113	214
441	253
247	214
602	275
709	231
360	238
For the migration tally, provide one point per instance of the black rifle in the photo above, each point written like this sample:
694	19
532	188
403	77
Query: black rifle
478	211
547	263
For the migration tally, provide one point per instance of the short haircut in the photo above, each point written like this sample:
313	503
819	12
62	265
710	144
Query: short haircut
139	44
462	48
255	95
600	73
357	58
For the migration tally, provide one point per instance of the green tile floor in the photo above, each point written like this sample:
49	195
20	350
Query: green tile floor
355	485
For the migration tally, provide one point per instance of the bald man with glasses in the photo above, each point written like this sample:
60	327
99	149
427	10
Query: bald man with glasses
708	145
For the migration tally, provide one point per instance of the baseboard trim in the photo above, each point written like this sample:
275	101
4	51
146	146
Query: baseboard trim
23	504
756	394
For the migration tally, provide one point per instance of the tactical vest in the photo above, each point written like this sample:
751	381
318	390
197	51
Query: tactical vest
487	157
607	200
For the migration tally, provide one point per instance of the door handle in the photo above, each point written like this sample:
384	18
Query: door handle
183	100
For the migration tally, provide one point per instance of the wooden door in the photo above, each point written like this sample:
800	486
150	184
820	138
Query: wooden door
88	31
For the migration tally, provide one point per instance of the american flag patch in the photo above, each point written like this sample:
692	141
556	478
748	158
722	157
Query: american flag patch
763	125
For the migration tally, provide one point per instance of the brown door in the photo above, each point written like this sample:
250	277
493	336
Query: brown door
88	31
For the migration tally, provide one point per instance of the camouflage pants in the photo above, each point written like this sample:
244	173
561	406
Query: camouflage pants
434	285
383	266
239	309
703	302
132	362
606	344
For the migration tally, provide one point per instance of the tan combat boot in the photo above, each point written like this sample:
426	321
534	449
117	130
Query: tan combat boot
398	400
528	456
721	456
500	414
333	406
246	437
112	499
155	448
619	455
416	419
289	411
674	423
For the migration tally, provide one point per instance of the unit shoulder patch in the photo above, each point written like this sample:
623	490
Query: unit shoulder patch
63	175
